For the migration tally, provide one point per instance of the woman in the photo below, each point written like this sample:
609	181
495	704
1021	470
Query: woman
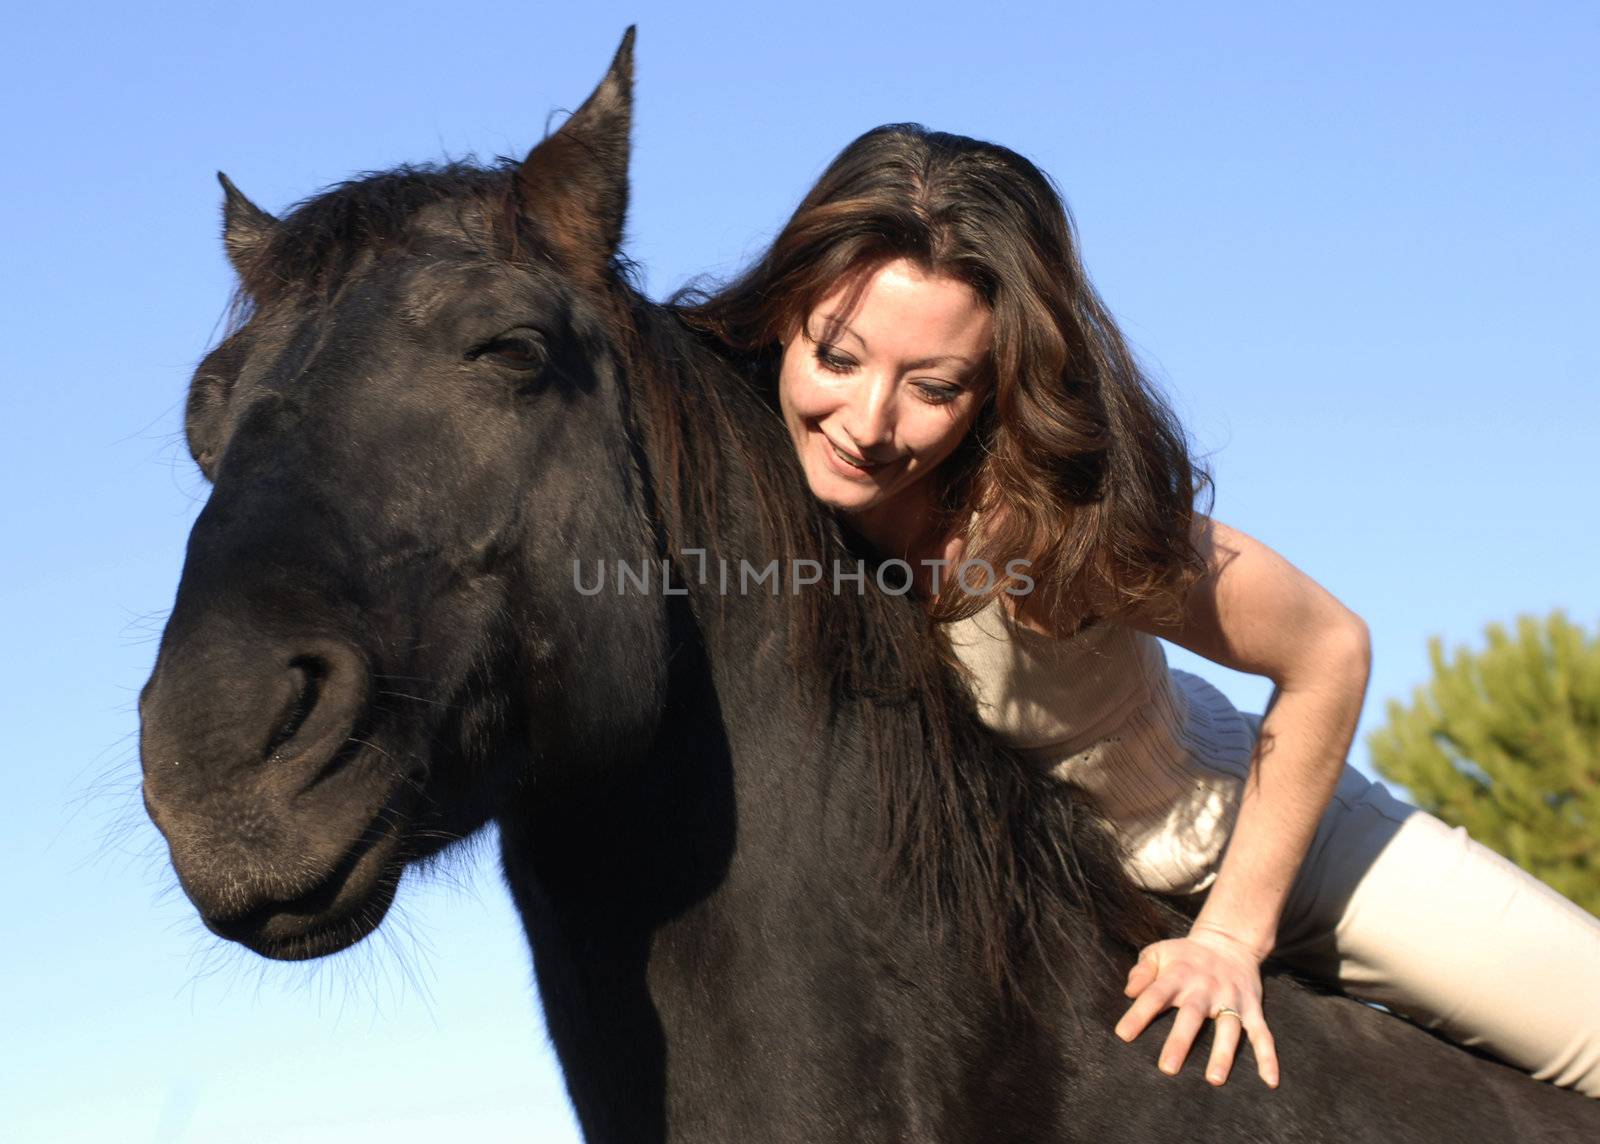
957	392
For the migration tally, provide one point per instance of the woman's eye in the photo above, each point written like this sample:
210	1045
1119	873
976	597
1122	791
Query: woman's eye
524	352
939	394
832	361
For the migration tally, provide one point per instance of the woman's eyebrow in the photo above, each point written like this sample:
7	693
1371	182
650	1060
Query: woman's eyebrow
832	323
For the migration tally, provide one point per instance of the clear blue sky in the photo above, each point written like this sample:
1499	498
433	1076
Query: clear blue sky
1357	244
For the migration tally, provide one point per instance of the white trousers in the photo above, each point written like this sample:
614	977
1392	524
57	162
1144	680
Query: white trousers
1393	906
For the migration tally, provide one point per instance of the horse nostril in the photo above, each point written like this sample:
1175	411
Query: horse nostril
308	671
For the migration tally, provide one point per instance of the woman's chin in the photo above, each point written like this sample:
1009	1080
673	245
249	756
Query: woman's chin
861	511
845	500
845	494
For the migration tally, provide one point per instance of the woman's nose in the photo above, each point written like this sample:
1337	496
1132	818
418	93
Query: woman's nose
869	415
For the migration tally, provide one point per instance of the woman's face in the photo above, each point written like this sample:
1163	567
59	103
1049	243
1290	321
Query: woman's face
881	384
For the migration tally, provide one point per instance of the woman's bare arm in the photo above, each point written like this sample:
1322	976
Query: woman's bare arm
1256	612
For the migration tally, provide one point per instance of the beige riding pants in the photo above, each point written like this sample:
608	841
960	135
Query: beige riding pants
1394	906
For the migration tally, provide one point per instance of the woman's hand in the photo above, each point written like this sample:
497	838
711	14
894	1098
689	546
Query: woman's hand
1199	975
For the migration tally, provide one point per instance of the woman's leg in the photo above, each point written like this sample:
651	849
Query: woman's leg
1396	907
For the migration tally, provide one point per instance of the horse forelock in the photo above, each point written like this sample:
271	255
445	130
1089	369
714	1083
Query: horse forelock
322	239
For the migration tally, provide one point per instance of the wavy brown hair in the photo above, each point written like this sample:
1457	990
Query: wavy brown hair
1075	462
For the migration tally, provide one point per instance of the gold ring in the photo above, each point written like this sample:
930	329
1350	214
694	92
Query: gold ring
1225	1011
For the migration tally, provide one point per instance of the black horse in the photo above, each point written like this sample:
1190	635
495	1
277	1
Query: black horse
778	882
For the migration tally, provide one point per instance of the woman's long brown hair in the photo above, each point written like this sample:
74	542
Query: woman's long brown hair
1075	462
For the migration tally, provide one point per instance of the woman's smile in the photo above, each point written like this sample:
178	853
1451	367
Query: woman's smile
849	464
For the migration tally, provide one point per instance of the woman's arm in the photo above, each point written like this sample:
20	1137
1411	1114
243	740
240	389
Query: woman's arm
1255	612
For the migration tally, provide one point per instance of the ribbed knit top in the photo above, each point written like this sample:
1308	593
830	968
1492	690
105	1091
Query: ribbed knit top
1162	752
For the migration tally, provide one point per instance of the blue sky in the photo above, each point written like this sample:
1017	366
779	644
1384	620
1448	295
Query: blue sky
1356	245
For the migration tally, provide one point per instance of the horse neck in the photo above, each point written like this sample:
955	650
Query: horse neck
699	869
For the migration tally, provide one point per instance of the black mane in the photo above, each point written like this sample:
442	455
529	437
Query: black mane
1007	861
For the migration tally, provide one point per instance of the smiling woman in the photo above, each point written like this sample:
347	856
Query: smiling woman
954	387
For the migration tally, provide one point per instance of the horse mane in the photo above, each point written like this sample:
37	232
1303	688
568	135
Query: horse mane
1001	860
999	857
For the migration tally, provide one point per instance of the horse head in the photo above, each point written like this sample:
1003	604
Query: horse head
411	431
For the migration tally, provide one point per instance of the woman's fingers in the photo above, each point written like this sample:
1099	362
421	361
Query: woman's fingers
1265	1047
1224	1044
1151	1003
1141	975
1187	975
1184	1027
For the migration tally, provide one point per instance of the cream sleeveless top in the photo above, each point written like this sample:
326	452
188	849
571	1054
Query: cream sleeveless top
1163	753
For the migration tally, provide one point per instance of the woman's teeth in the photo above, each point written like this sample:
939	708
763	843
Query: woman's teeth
853	462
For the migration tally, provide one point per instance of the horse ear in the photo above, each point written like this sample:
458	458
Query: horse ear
246	228
573	186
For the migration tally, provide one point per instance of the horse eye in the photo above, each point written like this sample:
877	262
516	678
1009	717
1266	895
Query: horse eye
523	351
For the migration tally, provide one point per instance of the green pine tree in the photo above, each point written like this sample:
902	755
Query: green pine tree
1506	742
